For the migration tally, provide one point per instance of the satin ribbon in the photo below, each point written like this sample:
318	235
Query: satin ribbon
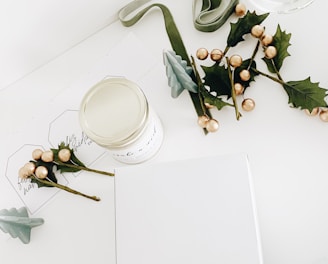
212	14
129	15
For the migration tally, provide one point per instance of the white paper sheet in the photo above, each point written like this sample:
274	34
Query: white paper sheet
59	123
189	211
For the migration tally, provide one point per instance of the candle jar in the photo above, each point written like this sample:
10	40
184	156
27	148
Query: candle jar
115	114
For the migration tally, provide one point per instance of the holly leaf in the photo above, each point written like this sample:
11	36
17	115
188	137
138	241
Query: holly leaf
217	79
73	160
214	100
244	26
305	94
281	42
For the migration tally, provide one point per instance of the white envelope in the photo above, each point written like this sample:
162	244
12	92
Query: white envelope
188	211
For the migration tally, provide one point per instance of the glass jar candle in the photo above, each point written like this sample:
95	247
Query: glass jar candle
115	114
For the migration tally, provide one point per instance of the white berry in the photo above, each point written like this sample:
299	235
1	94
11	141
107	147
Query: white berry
239	88
245	75
37	153
202	121
30	168
41	172
216	54
235	61
324	115
202	53
270	52
248	104
212	125
47	156
240	9
64	155
266	40
257	31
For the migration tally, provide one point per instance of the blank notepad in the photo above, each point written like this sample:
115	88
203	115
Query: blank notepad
196	211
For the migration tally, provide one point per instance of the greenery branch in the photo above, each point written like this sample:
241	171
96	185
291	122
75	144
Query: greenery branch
41	170
233	76
48	182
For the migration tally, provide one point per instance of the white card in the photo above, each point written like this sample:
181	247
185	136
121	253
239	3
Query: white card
59	123
189	211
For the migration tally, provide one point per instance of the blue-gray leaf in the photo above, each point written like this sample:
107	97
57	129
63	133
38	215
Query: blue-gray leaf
178	74
18	224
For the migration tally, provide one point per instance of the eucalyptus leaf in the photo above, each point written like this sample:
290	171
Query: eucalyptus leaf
178	74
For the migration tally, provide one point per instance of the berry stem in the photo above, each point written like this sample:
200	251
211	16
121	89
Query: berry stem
84	168
50	183
254	54
233	93
276	70
226	50
199	84
278	80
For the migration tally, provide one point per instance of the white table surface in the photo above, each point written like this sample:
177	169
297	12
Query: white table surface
286	148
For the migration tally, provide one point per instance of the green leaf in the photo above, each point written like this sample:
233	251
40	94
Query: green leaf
73	161
217	78
215	101
281	42
244	26
305	94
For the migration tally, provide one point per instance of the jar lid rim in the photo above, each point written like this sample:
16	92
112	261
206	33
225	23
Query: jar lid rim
113	112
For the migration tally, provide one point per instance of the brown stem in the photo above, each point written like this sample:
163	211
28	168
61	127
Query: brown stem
254	54
226	50
233	93
84	168
276	70
278	80
65	188
199	84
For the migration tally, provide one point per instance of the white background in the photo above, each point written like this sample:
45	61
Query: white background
33	32
286	148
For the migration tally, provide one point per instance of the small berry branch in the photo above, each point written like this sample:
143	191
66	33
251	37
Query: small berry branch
278	80
41	169
77	167
254	54
233	92
48	182
230	78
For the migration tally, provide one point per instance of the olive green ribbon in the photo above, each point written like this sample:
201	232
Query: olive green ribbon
212	14
129	15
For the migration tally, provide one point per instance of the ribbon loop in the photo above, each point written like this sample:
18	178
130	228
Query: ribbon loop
213	13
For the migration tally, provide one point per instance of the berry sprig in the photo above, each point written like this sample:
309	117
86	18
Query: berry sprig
230	76
40	170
